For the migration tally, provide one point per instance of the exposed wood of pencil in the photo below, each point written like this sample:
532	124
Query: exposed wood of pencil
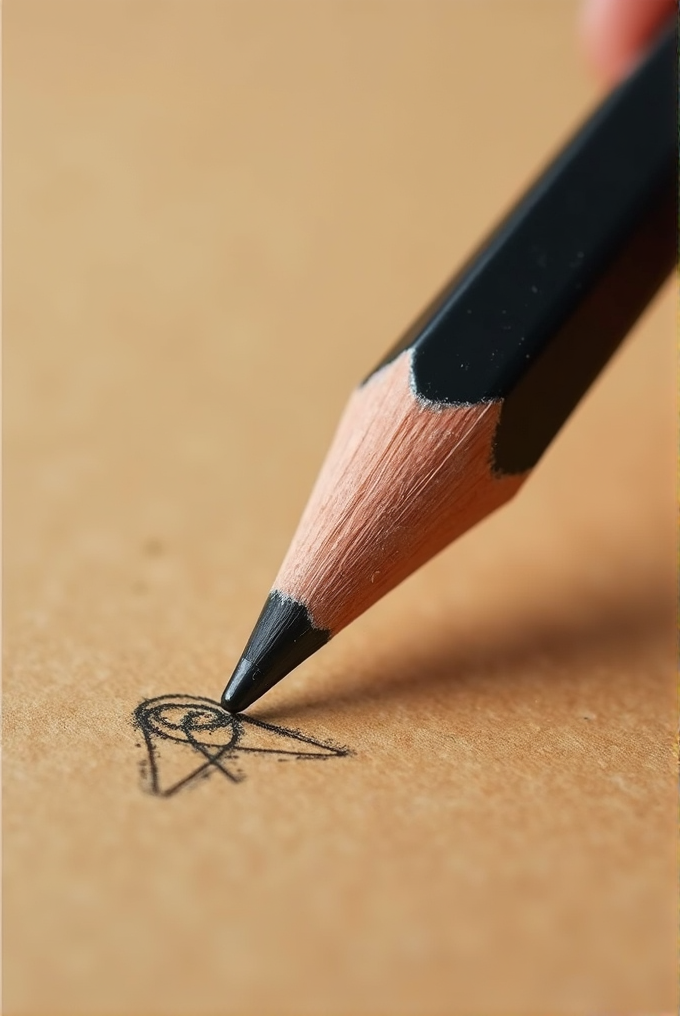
403	478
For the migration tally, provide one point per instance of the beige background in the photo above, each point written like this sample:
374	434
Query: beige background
218	217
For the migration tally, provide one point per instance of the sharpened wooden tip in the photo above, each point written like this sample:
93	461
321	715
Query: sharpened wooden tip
402	479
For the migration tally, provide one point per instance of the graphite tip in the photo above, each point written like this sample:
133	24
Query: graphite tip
283	637
242	689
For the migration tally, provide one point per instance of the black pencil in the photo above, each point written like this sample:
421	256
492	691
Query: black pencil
450	424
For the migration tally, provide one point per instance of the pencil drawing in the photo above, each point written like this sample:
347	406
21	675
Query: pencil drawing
188	737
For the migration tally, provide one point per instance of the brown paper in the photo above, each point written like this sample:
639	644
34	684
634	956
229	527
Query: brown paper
218	217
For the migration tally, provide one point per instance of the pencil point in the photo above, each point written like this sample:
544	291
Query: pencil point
283	637
242	688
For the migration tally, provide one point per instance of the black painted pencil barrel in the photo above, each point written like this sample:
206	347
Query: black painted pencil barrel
539	309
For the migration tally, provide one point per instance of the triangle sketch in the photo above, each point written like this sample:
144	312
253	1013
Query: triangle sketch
188	737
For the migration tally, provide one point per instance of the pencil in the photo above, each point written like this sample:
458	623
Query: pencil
450	424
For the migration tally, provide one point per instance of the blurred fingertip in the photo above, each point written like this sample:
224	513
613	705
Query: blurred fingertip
599	38
613	33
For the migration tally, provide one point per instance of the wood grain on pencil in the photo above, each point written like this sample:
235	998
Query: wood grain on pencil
402	479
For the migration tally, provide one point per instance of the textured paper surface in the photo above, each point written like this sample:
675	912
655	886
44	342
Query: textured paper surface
218	217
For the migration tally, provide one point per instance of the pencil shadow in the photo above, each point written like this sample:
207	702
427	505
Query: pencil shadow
533	635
